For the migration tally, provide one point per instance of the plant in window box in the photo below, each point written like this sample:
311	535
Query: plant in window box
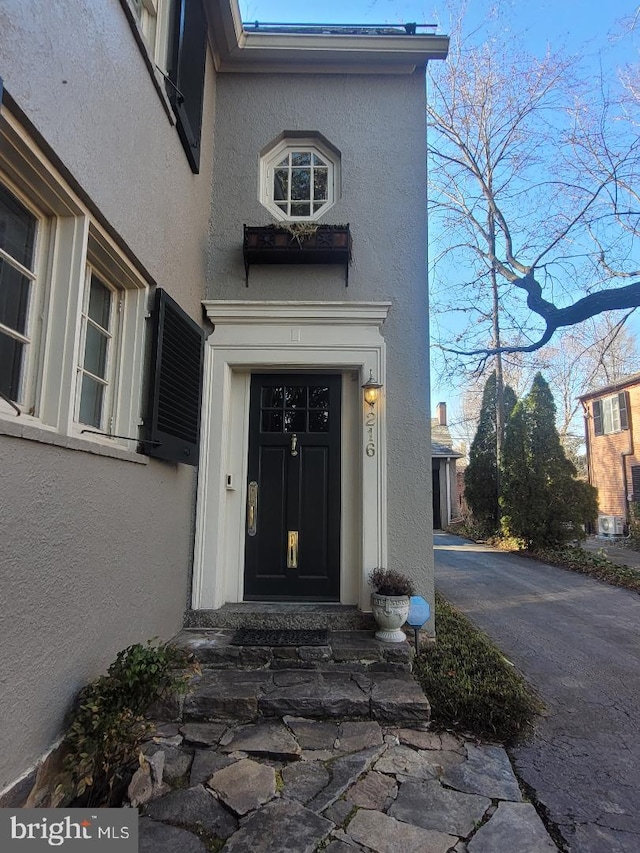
296	243
392	591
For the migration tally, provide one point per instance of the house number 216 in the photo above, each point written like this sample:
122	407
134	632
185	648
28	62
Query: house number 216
370	420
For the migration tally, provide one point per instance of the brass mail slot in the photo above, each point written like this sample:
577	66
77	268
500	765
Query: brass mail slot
292	549
252	508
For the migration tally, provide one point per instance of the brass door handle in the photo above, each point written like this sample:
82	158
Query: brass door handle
252	508
292	549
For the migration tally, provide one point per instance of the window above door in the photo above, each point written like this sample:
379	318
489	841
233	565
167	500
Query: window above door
299	178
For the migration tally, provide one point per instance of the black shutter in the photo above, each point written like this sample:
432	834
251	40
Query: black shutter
624	410
175	383
635	482
597	417
186	73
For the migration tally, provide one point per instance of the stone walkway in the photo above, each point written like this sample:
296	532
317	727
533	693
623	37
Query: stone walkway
296	785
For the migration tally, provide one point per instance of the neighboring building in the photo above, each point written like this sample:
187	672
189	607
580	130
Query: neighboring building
136	141
446	498
611	414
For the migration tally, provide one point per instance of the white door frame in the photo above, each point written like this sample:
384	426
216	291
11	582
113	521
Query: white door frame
271	336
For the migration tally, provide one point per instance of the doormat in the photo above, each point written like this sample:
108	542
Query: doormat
277	637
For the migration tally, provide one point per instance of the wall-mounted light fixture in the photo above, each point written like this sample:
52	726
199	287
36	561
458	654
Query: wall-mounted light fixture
371	390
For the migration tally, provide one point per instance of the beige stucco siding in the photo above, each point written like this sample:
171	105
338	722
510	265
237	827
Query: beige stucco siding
378	125
95	551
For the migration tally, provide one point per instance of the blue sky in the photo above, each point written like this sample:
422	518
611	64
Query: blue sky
584	28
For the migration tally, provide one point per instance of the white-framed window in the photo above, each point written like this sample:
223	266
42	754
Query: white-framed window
299	178
21	238
98	353
155	20
610	414
72	308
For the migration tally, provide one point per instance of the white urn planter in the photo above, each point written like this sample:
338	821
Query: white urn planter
390	613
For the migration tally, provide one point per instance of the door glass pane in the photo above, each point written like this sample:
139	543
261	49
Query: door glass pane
99	302
17	229
14	298
91	402
318	421
300	184
95	351
272	398
318	397
272	422
11	352
295	421
296	397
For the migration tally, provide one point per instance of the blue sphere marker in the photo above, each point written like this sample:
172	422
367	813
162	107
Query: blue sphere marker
419	612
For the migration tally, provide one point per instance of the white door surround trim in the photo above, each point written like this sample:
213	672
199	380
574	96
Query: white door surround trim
344	337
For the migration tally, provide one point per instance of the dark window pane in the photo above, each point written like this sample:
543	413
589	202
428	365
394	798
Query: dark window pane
320	184
11	352
272	398
272	422
283	206
300	184
318	205
14	298
91	402
300	209
318	421
280	184
284	162
296	397
295	421
317	161
300	158
17	229
95	351
99	302
318	397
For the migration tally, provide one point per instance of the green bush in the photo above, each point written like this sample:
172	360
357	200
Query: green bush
543	503
470	685
107	724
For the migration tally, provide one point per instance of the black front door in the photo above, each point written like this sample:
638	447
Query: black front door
293	491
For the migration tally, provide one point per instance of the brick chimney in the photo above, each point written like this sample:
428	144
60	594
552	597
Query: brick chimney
441	414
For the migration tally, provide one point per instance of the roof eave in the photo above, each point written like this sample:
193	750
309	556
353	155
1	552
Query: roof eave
240	51
625	382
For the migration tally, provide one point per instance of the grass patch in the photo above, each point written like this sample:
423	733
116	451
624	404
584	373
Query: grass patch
576	559
470	685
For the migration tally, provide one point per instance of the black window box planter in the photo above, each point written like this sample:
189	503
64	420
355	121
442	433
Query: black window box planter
274	244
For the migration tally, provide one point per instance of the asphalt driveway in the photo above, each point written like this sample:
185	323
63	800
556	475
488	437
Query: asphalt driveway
577	641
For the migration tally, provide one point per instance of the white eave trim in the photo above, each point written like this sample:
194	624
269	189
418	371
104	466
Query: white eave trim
245	312
241	51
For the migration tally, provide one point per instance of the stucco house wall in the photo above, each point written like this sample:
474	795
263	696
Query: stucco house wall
95	550
378	125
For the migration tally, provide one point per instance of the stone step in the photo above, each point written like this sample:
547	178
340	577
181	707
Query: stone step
349	651
336	617
254	695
